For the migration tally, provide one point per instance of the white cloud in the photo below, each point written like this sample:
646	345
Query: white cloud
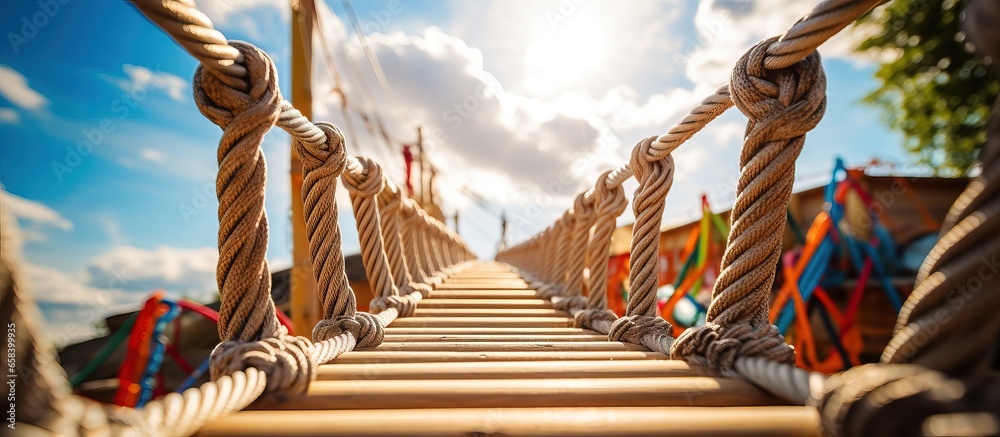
182	272
236	13
35	219
8	115
152	155
728	28
142	78
14	86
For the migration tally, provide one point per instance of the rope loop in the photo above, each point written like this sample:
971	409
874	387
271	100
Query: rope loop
404	304
631	329
222	104
586	318
784	103
718	346
286	360
365	327
571	304
366	181
332	156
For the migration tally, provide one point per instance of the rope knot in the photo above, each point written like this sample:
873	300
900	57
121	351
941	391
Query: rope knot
420	287
642	168
366	328
583	208
586	318
223	104
784	103
404	304
331	157
366	181
631	329
286	360
718	346
571	304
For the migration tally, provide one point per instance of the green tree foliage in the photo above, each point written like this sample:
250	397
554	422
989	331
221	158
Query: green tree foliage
937	92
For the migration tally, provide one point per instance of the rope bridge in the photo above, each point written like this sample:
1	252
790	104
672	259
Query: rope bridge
456	346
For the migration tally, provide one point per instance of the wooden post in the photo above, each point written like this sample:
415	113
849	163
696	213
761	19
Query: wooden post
304	303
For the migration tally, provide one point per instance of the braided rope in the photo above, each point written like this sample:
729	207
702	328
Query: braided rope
364	182
611	202
390	202
642	324
782	105
947	323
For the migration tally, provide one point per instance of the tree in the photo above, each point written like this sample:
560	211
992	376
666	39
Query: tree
937	92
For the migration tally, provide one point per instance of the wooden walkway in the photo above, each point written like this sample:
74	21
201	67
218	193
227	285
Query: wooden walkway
485	355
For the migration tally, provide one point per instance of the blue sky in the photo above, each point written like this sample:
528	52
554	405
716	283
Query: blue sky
109	166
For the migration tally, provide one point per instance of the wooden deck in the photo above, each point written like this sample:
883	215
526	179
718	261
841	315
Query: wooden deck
484	355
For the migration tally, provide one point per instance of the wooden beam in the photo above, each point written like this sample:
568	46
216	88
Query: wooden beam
470	322
510	370
701	391
303	302
369	356
485	294
498	346
528	422
393	329
530	338
489	312
484	303
485	285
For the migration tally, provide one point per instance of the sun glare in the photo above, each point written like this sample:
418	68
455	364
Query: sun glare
564	57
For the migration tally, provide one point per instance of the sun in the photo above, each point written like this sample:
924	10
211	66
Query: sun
564	57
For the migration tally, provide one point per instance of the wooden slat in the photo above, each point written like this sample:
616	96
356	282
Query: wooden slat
470	322
428	357
489	312
485	285
510	393
530	338
486	294
496	346
510	369
529	422
394	329
484	303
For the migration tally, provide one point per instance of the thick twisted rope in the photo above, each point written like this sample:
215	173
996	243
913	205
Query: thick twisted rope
247	324
390	203
611	202
364	182
555	276
408	226
45	404
782	105
584	215
803	38
948	322
642	324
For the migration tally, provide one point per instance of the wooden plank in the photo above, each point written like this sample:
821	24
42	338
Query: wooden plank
510	369
435	302
485	294
489	312
700	391
486	285
393	329
355	357
528	422
535	338
471	322
495	346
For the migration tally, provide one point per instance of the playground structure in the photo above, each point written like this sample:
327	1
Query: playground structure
450	315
